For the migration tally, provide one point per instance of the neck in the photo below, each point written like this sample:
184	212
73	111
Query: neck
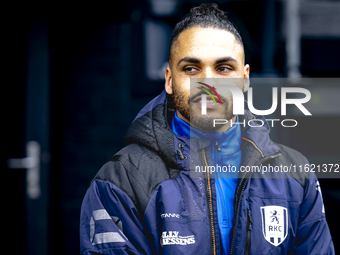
222	129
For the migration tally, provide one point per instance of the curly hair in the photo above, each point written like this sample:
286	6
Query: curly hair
205	15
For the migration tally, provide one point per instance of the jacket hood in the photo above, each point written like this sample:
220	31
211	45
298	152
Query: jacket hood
151	129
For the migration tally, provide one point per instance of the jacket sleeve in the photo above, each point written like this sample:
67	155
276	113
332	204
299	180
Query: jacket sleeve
110	222
313	235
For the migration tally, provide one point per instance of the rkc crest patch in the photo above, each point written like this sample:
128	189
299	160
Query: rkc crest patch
274	223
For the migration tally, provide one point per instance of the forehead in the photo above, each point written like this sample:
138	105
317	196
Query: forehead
207	44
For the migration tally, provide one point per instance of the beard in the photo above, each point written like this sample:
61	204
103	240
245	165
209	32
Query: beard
184	104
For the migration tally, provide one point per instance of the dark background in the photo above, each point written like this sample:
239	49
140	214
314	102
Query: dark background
74	76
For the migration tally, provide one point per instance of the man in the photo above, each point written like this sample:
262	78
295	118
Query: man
146	199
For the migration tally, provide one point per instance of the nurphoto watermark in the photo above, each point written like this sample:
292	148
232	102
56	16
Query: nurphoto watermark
270	105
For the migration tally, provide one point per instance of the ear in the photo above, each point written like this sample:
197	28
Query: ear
246	69
168	81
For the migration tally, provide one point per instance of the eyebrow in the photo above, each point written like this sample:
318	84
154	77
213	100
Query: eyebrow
197	61
190	60
225	59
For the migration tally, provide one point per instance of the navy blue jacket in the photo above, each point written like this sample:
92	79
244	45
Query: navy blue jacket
148	199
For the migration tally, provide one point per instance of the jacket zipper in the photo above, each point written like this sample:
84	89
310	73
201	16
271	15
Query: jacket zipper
249	229
213	241
241	193
250	141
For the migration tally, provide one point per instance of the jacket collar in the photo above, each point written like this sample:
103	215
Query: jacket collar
151	128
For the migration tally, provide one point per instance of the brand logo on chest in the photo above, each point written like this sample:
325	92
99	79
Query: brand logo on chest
274	224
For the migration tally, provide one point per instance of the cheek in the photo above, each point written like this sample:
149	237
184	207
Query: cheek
181	86
227	93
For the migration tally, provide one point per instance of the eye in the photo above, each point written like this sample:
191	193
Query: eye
224	69
190	70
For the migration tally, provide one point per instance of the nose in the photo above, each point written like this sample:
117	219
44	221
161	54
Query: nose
208	76
207	73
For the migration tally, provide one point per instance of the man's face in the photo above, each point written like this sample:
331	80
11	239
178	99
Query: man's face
203	53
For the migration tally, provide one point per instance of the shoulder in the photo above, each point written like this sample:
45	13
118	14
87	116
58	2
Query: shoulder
290	155
137	171
296	163
140	162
